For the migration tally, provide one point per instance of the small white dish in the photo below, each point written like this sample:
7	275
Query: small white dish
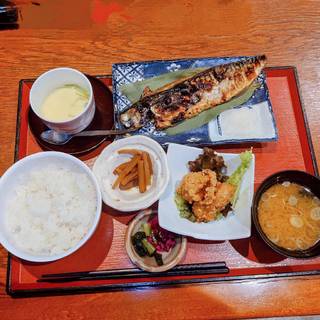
53	79
248	123
17	172
170	259
131	200
236	225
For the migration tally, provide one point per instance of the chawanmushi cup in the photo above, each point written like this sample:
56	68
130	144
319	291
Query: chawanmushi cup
53	79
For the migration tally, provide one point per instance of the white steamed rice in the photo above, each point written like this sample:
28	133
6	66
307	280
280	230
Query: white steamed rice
51	210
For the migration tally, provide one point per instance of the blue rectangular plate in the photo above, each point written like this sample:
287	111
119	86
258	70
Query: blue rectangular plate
253	121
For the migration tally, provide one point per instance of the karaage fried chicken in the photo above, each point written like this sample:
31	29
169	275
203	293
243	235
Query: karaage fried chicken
198	186
207	196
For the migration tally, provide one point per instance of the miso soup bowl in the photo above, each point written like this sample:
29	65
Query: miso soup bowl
302	178
53	79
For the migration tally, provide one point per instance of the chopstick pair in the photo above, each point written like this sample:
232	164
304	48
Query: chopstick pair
181	270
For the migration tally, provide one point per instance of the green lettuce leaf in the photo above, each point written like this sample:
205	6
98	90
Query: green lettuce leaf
236	177
184	208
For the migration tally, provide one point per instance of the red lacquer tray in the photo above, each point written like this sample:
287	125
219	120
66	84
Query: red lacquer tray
246	259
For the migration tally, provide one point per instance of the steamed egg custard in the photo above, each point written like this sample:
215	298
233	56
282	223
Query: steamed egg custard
64	103
289	215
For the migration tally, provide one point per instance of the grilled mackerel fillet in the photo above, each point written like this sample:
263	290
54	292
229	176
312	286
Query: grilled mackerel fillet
188	97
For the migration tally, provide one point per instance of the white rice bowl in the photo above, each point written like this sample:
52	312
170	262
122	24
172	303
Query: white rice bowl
50	205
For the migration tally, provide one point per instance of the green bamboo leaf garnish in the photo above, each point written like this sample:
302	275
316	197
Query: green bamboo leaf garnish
207	115
133	91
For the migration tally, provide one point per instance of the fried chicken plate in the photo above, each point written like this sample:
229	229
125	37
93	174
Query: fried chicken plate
206	194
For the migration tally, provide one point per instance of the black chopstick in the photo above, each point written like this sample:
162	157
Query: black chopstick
134	270
181	270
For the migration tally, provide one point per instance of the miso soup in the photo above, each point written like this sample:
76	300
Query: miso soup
289	215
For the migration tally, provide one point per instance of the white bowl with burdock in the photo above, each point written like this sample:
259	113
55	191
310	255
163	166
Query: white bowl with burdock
132	173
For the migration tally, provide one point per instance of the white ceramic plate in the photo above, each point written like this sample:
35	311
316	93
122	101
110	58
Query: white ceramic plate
131	200
237	225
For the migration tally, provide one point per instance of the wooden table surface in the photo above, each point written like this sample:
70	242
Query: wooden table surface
91	36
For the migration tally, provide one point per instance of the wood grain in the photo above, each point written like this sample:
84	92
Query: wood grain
288	32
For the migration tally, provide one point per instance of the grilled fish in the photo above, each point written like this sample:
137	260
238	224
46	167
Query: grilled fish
186	98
